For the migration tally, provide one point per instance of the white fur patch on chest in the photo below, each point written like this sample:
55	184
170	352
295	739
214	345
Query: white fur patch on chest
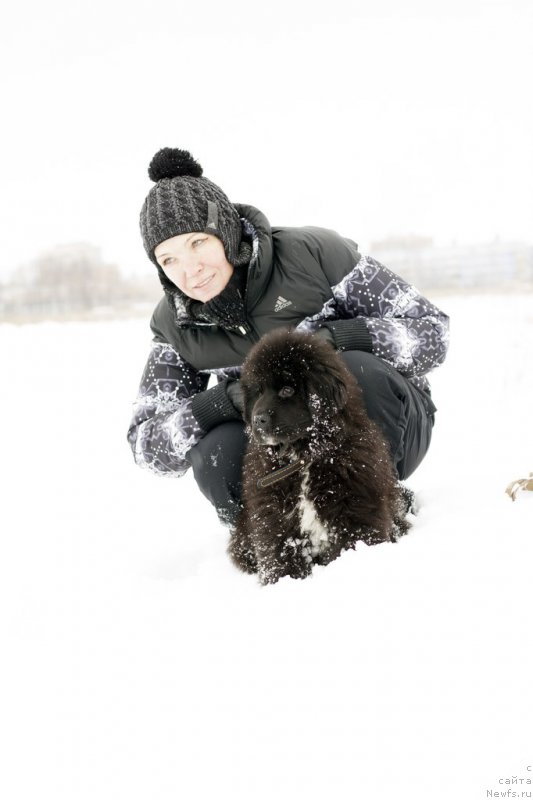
310	525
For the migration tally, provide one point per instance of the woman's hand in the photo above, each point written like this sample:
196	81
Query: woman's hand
235	394
326	334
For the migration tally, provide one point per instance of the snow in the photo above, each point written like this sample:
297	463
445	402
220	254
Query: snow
138	662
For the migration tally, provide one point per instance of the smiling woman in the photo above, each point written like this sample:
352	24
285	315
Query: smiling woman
196	264
229	279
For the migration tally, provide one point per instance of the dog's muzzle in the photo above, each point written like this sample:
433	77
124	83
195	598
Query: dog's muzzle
262	423
263	430
265	433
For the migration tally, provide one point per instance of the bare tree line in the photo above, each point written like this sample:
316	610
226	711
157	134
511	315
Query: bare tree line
73	278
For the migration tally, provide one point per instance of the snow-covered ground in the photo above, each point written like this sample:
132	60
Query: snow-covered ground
138	663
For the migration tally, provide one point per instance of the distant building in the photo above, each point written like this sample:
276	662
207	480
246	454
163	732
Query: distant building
73	278
491	265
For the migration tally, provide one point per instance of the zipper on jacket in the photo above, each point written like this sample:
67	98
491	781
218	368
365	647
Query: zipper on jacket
246	330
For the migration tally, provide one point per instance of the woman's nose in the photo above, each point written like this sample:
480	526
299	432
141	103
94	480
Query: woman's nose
193	268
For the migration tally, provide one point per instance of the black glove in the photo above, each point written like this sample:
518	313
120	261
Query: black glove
214	406
347	334
235	394
326	334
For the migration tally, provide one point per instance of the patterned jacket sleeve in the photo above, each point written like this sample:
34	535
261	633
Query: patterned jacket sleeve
387	317
163	428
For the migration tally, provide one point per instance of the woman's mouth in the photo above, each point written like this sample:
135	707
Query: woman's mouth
204	282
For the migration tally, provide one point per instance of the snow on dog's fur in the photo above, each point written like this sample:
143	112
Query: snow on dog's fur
302	406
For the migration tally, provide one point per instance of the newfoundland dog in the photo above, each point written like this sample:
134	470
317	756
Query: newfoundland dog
317	473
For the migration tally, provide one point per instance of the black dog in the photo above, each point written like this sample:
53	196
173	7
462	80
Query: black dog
317	474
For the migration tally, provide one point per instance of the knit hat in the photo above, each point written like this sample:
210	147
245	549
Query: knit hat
182	201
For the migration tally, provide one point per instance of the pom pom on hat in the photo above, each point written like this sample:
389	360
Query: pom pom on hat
170	162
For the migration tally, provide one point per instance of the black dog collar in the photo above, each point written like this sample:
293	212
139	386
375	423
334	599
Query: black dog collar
278	474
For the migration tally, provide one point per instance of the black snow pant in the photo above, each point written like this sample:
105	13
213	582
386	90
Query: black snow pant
405	414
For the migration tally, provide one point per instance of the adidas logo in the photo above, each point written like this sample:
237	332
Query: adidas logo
282	303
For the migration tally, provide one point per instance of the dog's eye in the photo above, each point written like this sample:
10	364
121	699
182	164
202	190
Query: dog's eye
286	391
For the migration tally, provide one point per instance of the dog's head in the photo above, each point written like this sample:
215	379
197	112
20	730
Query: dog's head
291	383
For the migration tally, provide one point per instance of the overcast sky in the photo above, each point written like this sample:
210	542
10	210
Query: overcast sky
374	118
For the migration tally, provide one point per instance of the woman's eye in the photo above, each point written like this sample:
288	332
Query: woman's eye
167	261
286	391
196	241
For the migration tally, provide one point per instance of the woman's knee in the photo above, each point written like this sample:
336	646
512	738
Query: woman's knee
217	463
367	368
381	385
396	406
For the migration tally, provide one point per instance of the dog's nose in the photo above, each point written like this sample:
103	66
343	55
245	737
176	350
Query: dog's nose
261	422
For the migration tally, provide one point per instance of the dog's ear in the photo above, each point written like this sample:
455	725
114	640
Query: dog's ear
327	382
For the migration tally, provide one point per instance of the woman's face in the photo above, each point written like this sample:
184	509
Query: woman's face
196	263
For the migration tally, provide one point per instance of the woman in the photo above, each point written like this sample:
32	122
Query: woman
228	278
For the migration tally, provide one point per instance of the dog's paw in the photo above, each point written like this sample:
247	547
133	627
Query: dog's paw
399	528
269	573
242	554
300	571
327	556
293	561
371	536
297	558
409	500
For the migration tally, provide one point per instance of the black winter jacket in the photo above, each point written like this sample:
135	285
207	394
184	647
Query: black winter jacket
305	277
